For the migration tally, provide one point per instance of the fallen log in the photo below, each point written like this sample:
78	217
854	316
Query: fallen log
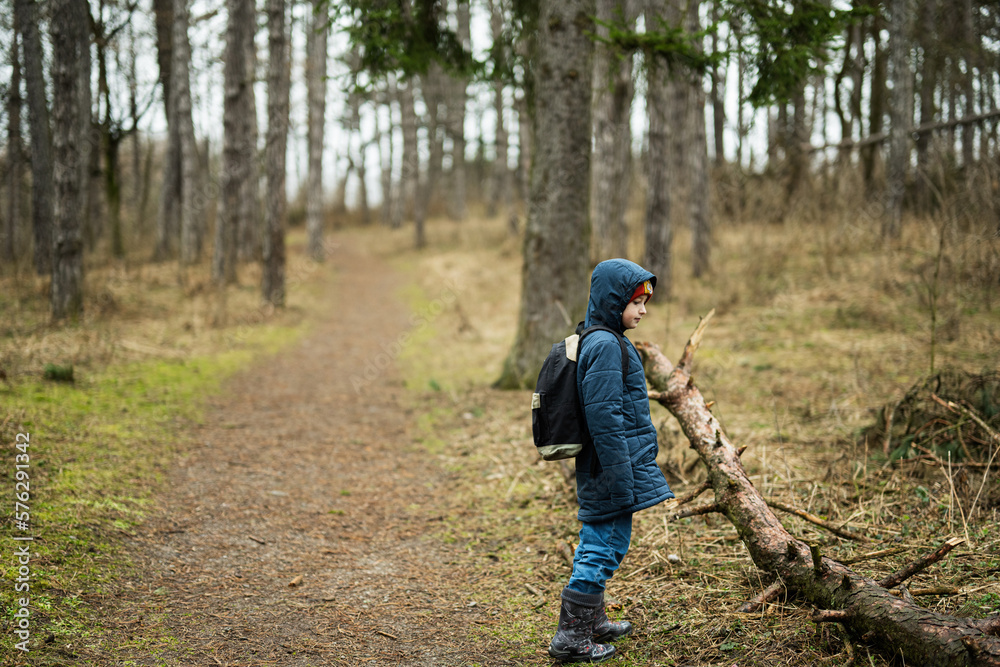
869	612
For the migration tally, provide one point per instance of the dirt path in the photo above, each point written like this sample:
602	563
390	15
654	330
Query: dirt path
297	531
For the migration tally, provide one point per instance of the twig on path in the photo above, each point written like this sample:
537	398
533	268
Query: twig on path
386	634
257	539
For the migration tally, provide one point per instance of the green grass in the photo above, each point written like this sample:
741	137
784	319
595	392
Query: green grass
100	448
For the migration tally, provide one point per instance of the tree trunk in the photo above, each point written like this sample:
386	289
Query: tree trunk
192	218
871	156
696	150
410	173
865	608
90	140
612	161
456	121
249	220
386	156
432	87
167	214
524	143
900	115
15	155
364	211
68	23
110	140
718	94
42	205
557	238
238	158
927	18
969	47
658	225
316	64
278	80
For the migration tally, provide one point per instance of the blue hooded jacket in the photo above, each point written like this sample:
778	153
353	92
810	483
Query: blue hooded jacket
624	478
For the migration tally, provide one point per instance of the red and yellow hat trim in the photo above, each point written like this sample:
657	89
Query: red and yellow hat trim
645	287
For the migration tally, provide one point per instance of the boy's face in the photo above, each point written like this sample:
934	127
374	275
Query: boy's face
634	311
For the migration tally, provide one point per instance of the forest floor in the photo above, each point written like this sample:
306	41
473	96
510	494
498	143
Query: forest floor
301	528
357	494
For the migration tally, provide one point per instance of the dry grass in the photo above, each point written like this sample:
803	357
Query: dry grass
817	327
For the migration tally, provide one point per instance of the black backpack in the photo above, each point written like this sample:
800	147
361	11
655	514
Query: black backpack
557	420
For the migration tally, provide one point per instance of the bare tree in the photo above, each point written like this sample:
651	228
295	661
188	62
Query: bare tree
248	220
168	211
192	220
410	172
456	119
316	66
238	157
665	105
42	205
386	156
68	25
557	237
278	81
658	225
111	128
15	155
696	150
612	160
500	182
900	114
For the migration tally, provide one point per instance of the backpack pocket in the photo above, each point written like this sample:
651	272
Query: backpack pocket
553	433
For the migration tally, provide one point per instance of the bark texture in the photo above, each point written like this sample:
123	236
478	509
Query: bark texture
612	160
278	81
316	64
42	208
557	238
167	213
696	152
658	226
868	610
238	156
410	170
69	20
15	154
456	119
192	204
900	114
664	167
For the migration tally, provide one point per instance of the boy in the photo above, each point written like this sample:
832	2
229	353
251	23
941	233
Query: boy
616	477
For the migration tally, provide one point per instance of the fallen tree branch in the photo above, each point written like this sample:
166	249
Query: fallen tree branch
767	595
933	590
815	520
711	508
920	565
693	493
868	611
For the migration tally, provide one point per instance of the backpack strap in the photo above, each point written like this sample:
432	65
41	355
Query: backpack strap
621	341
581	331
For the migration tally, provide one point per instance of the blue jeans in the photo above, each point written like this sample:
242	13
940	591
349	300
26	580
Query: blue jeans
601	550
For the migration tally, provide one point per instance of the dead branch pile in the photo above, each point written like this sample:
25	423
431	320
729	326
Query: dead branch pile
949	418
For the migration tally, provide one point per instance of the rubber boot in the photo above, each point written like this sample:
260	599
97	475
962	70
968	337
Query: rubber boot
606	630
574	638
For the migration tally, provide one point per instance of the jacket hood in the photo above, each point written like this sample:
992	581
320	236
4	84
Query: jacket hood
611	285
